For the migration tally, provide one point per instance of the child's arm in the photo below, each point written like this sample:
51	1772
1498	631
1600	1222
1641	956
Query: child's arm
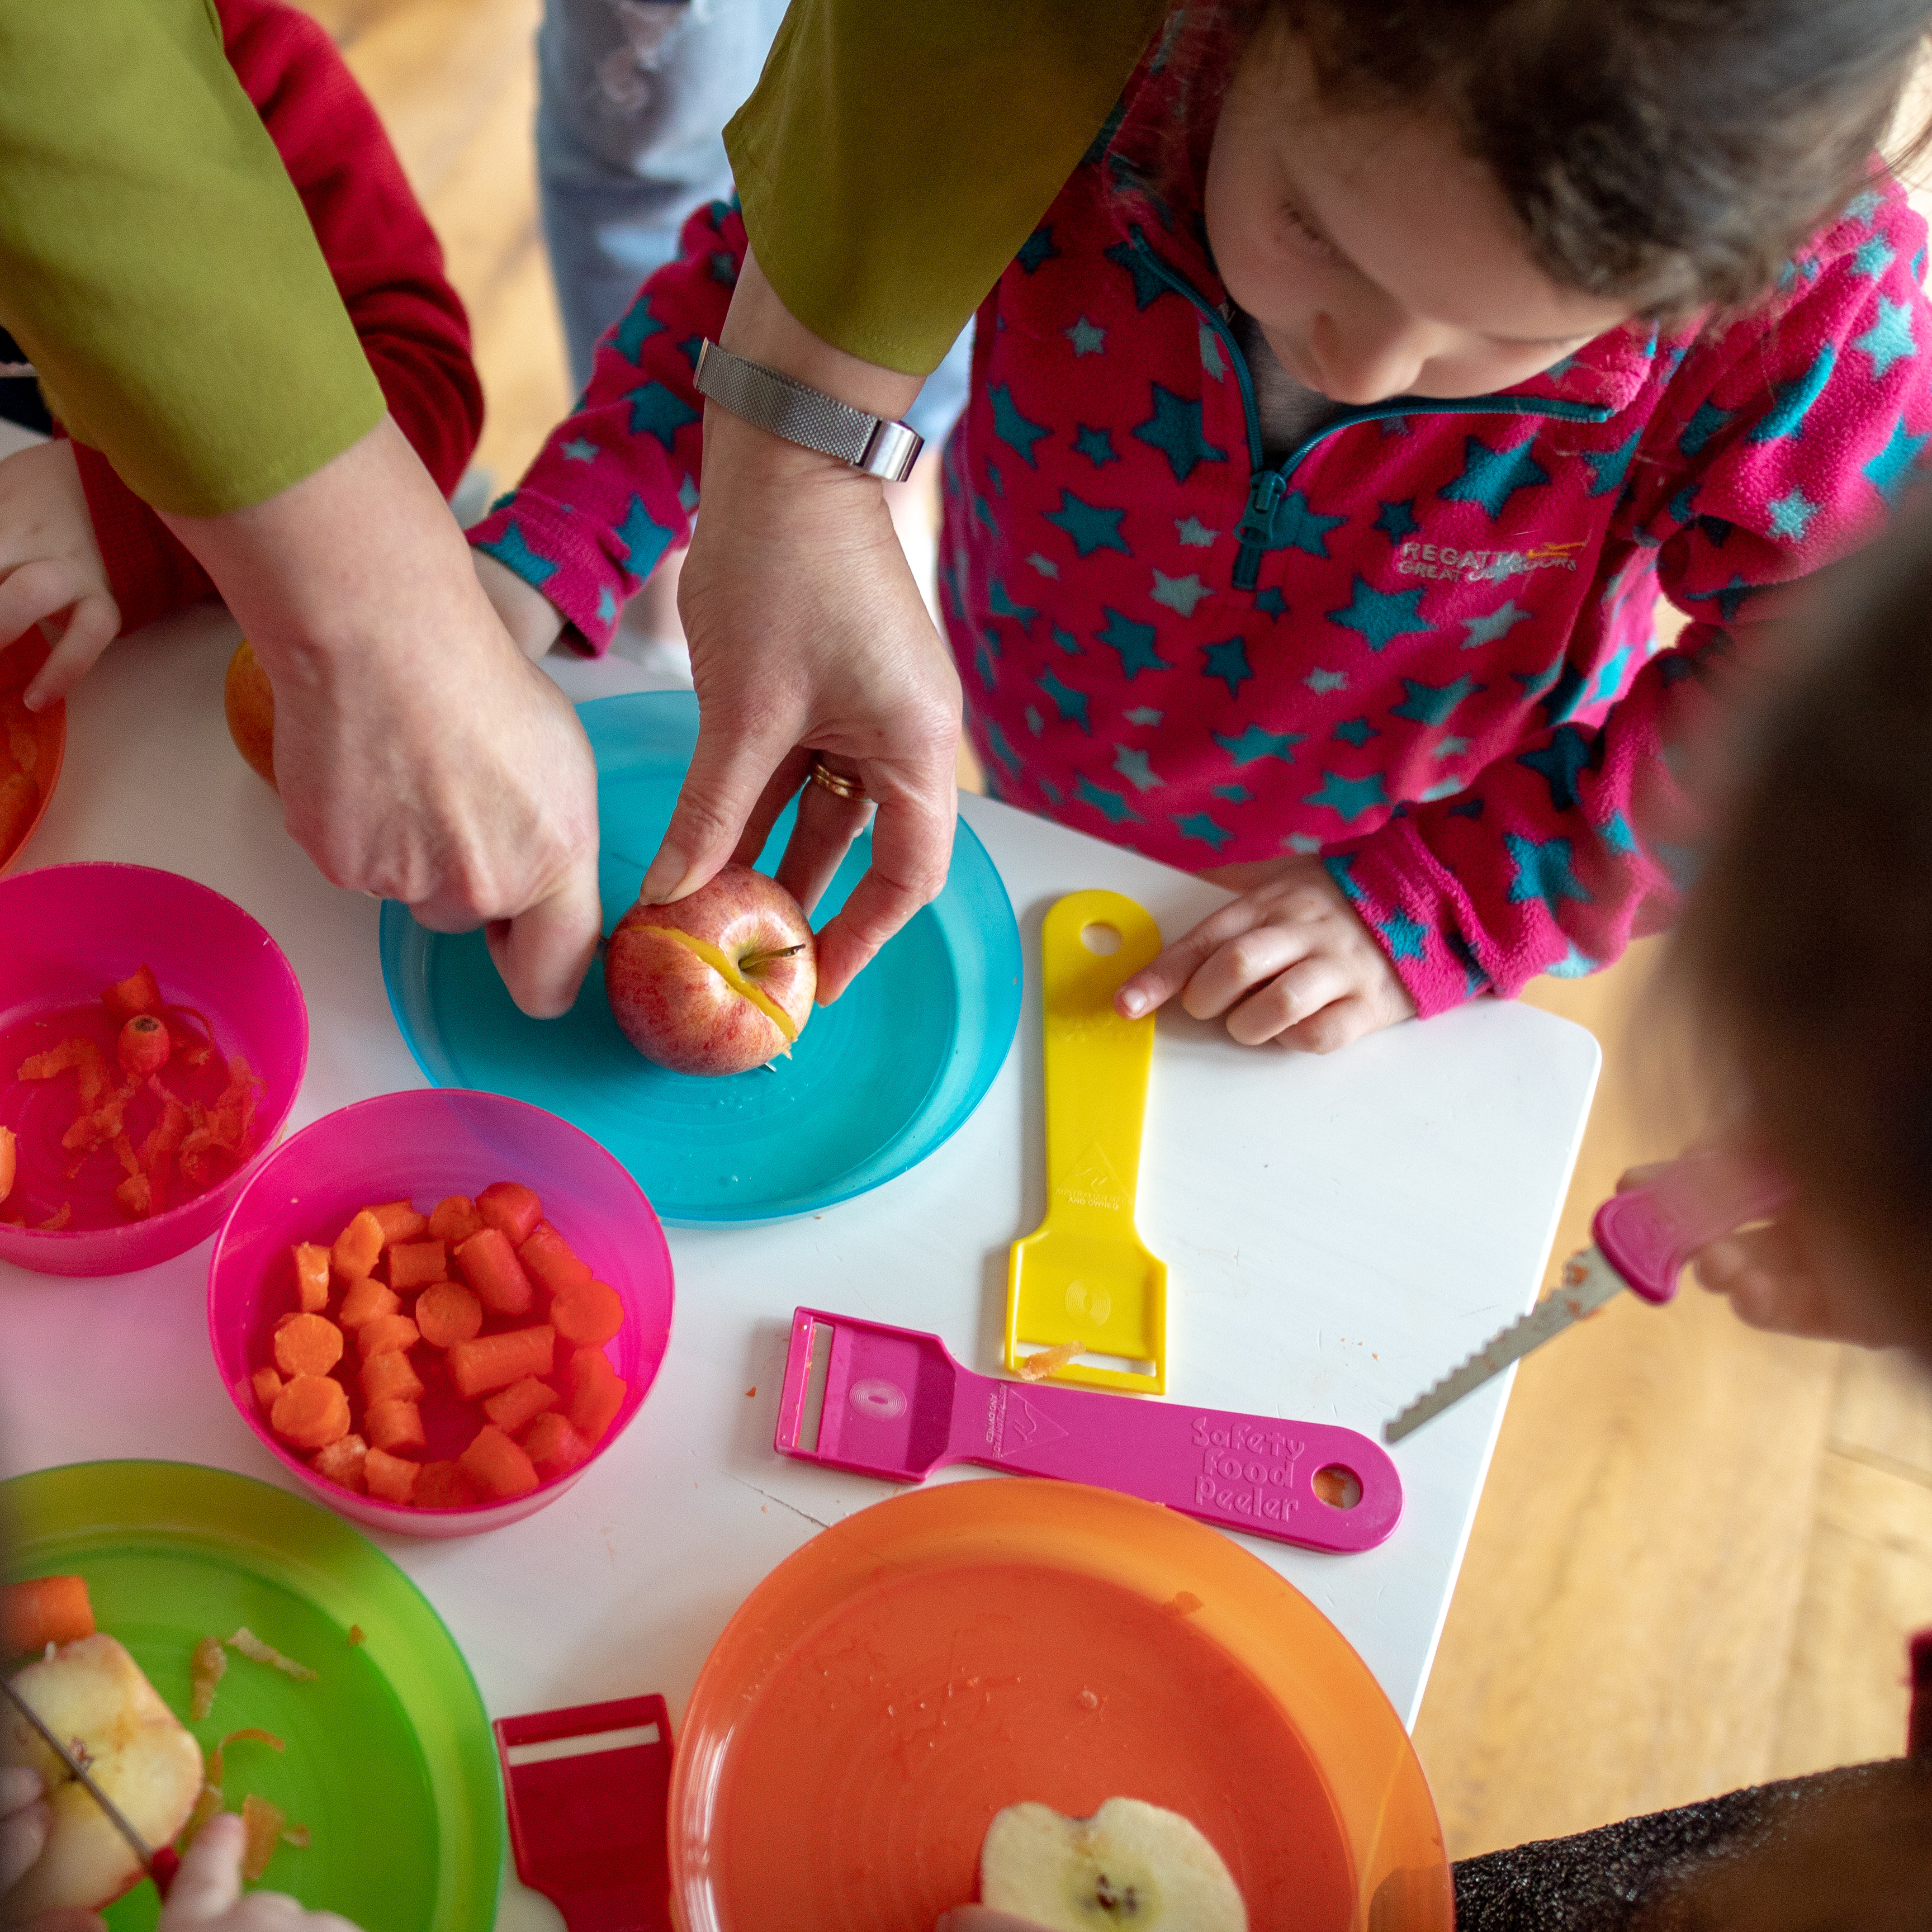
1778	447
387	264
613	487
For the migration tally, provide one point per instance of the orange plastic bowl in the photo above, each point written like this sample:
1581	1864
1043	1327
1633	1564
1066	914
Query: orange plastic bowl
32	744
909	1672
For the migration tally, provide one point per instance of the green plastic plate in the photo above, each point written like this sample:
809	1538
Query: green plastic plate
390	1762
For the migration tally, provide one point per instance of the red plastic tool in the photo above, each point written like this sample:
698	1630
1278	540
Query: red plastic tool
587	1789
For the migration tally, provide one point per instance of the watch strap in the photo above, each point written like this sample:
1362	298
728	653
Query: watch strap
807	416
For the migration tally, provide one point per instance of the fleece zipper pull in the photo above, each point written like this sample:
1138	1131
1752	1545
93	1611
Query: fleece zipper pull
1264	494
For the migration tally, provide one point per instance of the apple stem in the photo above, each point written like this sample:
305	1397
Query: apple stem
751	962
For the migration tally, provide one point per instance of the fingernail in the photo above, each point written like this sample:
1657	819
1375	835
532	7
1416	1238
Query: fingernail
1133	1002
33	697
665	875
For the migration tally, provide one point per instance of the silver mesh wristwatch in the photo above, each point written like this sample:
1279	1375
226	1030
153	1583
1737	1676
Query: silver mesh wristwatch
806	416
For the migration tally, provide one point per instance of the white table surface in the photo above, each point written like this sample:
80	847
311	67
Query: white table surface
1339	1232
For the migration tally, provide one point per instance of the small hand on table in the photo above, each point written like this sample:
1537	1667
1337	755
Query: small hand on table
1290	960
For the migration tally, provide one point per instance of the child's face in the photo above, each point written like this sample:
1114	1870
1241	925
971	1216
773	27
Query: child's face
1379	259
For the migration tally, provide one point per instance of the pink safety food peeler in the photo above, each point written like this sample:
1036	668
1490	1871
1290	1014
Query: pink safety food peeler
893	1402
1641	1239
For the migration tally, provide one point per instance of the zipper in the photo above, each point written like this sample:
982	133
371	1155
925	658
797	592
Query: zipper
1269	486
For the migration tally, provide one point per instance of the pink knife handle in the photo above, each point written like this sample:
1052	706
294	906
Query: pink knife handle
1256	1473
1649	1233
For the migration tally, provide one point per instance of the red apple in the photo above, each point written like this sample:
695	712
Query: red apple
717	982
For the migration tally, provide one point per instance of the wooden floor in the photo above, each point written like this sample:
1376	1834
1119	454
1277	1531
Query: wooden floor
1700	1550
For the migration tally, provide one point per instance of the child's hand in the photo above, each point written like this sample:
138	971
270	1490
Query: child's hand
528	615
51	573
1794	1275
1289	960
206	1894
24	1822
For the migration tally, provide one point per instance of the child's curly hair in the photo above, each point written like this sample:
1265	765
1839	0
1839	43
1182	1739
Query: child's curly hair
1670	153
1804	956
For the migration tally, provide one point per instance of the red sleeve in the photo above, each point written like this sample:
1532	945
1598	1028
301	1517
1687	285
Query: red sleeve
388	266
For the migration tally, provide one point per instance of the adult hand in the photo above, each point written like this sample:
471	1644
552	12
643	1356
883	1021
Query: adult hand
808	634
207	1896
1290	960
420	756
51	571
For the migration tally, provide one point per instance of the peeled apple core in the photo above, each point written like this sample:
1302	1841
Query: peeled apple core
1131	1864
727	970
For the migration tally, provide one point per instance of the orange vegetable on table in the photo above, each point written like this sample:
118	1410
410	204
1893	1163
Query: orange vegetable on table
512	1208
548	1257
311	1412
494	1361
415	1264
490	1267
510	1408
310	1345
496	1465
44	1610
448	1313
358	1247
588	1316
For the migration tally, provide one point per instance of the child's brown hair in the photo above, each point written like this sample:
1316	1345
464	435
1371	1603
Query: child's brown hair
1806	949
1671	153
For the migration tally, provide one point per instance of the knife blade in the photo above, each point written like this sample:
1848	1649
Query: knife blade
1641	1239
160	1865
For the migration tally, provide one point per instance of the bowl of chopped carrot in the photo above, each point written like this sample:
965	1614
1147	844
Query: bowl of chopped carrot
152	1040
438	1309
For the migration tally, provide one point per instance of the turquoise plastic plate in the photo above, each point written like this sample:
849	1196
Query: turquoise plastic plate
389	1761
876	1082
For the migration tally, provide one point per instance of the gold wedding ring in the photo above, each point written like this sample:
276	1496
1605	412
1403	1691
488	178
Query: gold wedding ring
837	783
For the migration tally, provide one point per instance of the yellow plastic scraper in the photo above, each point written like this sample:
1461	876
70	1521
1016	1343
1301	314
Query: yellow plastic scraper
1083	1282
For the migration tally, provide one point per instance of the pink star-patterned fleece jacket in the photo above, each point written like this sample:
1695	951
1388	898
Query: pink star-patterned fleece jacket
1423	646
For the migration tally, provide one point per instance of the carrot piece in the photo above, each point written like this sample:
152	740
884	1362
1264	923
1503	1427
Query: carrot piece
20	800
495	1361
443	1485
589	1316
593	1392
311	1345
394	1426
511	1207
143	1046
357	1246
448	1311
521	1403
415	1264
400	1221
386	1332
7	1158
551	1259
311	1277
454	1220
311	1412
344	1462
140	993
554	1447
490	1267
391	1377
391	1479
267	1385
44	1610
366	1299
496	1465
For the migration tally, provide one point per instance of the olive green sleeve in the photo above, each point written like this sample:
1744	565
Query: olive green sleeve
897	153
156	264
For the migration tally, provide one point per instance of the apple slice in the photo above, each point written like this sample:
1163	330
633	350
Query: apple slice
92	1695
1131	1864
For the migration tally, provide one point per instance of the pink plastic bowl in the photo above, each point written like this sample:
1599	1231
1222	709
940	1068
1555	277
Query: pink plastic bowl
66	933
426	1146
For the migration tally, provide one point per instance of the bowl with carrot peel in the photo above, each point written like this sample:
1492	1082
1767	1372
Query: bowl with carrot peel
152	1040
438	1309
